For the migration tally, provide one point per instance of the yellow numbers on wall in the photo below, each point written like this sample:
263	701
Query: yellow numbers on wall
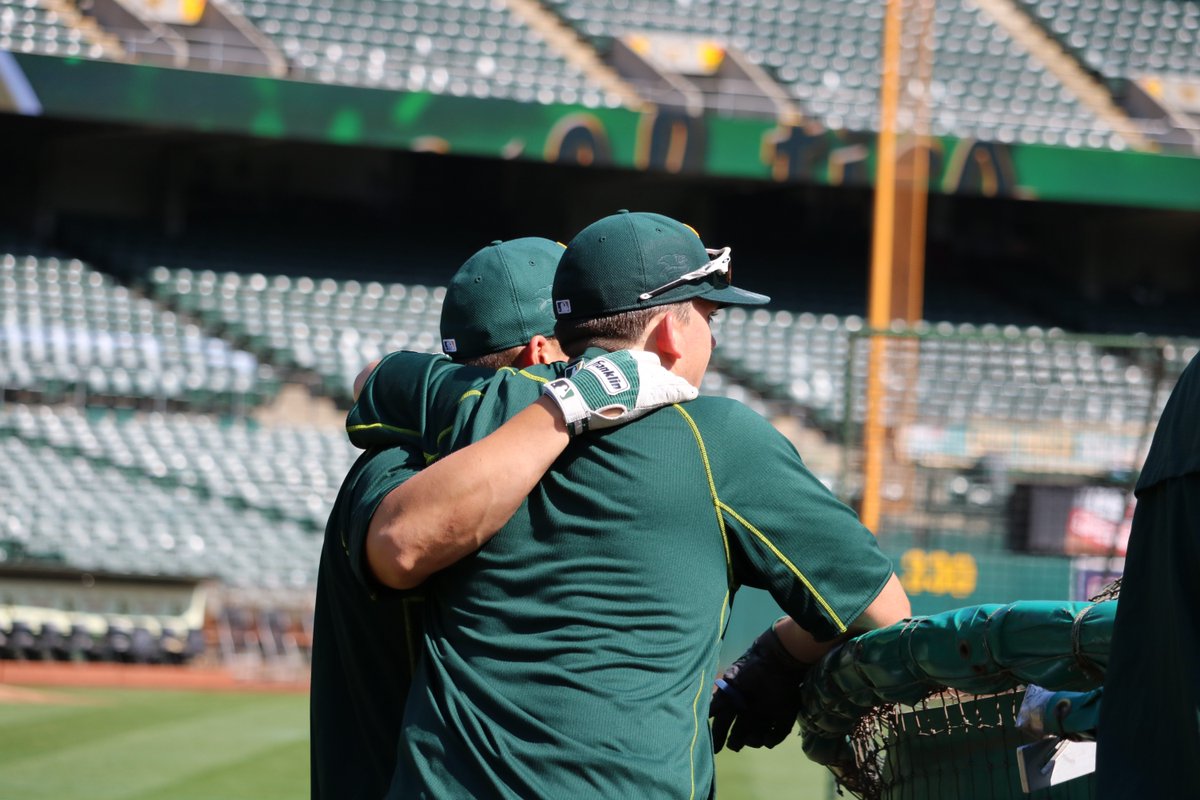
938	572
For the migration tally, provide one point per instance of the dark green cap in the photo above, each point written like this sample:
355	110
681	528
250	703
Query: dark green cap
630	260
500	298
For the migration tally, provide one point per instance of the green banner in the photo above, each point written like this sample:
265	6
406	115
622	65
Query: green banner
658	139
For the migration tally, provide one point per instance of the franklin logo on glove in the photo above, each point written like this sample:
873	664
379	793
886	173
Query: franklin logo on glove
611	378
612	389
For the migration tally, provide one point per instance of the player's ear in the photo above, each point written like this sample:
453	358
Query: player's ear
526	357
667	337
539	350
548	351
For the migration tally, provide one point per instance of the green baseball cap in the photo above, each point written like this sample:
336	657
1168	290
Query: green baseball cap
500	298
636	260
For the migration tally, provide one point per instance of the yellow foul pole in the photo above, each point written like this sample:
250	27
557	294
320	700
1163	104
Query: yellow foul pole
882	264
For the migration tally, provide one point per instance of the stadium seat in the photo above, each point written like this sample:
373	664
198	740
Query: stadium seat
478	50
28	27
69	331
1025	375
983	83
22	642
1124	39
329	327
131	524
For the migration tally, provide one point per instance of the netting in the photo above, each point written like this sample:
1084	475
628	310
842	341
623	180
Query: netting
927	707
1003	458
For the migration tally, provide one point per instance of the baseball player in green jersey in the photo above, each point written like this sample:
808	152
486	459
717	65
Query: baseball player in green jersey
1150	714
368	638
574	653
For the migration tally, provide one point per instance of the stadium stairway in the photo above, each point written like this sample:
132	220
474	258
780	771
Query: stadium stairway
70	15
575	50
1069	71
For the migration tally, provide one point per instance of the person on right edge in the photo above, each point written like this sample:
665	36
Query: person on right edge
1150	713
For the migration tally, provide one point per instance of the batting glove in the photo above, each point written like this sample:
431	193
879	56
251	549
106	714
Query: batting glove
615	388
755	701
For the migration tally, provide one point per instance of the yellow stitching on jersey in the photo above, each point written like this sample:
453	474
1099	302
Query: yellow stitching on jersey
470	393
712	489
703	682
444	433
812	590
431	457
524	374
695	735
380	426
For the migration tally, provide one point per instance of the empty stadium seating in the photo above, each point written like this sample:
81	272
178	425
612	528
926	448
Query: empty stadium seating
287	473
1018	375
68	509
826	55
26	26
1125	38
71	331
983	82
333	328
468	48
64	615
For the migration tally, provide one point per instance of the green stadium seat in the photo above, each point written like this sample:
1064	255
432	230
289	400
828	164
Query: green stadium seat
983	84
28	27
79	332
1124	39
107	527
330	327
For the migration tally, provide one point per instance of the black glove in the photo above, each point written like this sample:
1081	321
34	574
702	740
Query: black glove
758	696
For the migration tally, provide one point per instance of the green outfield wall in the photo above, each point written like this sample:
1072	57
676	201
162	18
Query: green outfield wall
657	139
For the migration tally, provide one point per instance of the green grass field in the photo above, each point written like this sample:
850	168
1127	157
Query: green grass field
105	744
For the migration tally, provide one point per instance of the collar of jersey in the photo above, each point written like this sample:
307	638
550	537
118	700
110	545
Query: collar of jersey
574	364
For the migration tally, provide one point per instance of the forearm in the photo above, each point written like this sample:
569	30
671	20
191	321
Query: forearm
800	643
455	505
889	606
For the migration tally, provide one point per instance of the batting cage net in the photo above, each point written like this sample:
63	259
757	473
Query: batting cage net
998	464
929	707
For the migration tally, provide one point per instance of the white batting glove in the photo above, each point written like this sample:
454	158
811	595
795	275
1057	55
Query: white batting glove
615	388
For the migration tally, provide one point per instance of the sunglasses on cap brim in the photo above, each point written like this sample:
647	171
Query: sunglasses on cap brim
719	271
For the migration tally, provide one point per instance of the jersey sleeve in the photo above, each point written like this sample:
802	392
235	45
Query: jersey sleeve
787	533
375	475
410	399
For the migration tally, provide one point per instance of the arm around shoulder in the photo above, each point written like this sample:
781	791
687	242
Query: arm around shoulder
454	506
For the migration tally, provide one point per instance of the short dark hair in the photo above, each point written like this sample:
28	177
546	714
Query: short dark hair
614	331
498	359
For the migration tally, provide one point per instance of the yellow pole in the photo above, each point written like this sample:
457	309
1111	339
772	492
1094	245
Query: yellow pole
882	246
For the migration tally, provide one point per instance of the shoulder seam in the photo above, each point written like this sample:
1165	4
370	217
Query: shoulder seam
712	489
841	626
381	426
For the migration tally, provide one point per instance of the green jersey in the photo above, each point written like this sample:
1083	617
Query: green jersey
1151	705
574	654
365	641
